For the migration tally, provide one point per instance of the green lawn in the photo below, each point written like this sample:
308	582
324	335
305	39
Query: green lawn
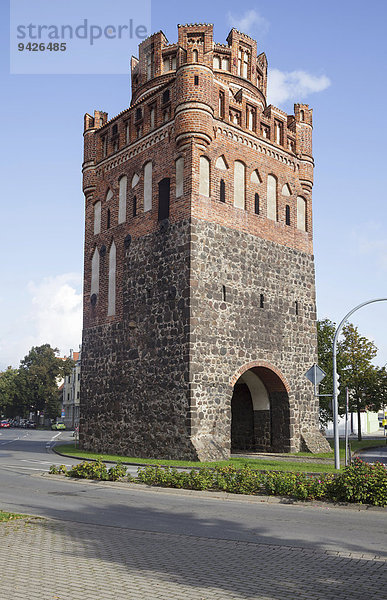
6	516
270	464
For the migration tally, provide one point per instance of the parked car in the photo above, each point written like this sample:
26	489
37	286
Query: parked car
58	426
4	423
31	425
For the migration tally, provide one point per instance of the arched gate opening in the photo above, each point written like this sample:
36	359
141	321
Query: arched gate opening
260	414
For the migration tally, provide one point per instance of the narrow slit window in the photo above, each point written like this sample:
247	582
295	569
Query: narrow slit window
195	56
261	301
164	195
224	294
222	191
135	206
287	214
196	80
296	307
108	219
256	204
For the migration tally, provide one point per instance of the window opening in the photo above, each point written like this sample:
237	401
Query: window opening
164	196
287	214
222	191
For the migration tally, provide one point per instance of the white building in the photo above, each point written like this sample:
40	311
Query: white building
71	393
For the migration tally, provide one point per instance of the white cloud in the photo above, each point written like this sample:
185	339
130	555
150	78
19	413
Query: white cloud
250	21
52	315
293	85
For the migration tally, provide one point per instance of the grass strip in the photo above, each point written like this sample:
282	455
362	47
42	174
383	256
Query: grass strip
267	464
7	516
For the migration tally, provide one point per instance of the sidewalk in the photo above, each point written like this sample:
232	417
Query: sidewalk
43	559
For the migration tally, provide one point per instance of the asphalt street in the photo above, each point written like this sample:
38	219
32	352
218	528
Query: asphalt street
176	544
373	455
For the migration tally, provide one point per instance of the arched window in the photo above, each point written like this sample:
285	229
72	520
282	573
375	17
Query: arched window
246	65
222	191
256	204
271	198
179	177
195	56
112	281
97	218
94	289
225	63
109	195
148	186
152	116
122	200
108	219
221	163
239	184
286	190
287	214
204	183
302	115
255	178
216	62
135	180
301	213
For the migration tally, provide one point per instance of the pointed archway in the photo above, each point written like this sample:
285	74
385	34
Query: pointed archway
260	412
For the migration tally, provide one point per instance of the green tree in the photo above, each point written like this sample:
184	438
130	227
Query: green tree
8	389
325	333
39	373
359	374
366	383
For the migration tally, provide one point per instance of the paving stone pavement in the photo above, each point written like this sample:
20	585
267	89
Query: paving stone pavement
44	559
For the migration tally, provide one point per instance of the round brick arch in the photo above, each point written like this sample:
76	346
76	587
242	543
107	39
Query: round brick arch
270	375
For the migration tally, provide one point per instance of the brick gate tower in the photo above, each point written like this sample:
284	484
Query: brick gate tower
199	292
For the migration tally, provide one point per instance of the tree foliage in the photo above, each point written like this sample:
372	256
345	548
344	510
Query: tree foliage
34	386
367	384
8	389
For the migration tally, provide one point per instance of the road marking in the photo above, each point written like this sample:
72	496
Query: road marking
9	442
40	462
56	435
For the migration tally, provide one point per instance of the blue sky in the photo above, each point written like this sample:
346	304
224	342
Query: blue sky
331	55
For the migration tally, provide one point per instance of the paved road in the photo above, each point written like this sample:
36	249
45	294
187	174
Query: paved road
102	541
373	455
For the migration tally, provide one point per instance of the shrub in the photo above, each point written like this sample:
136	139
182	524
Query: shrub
54	470
360	482
89	470
117	472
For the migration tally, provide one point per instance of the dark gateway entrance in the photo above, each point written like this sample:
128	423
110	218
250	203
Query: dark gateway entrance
260	415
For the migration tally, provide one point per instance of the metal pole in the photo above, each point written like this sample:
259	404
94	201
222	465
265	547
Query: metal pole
335	391
346	425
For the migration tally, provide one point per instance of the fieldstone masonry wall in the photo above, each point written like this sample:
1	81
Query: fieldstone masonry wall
227	333
135	374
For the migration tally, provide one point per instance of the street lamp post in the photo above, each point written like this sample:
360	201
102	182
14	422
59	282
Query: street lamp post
335	378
